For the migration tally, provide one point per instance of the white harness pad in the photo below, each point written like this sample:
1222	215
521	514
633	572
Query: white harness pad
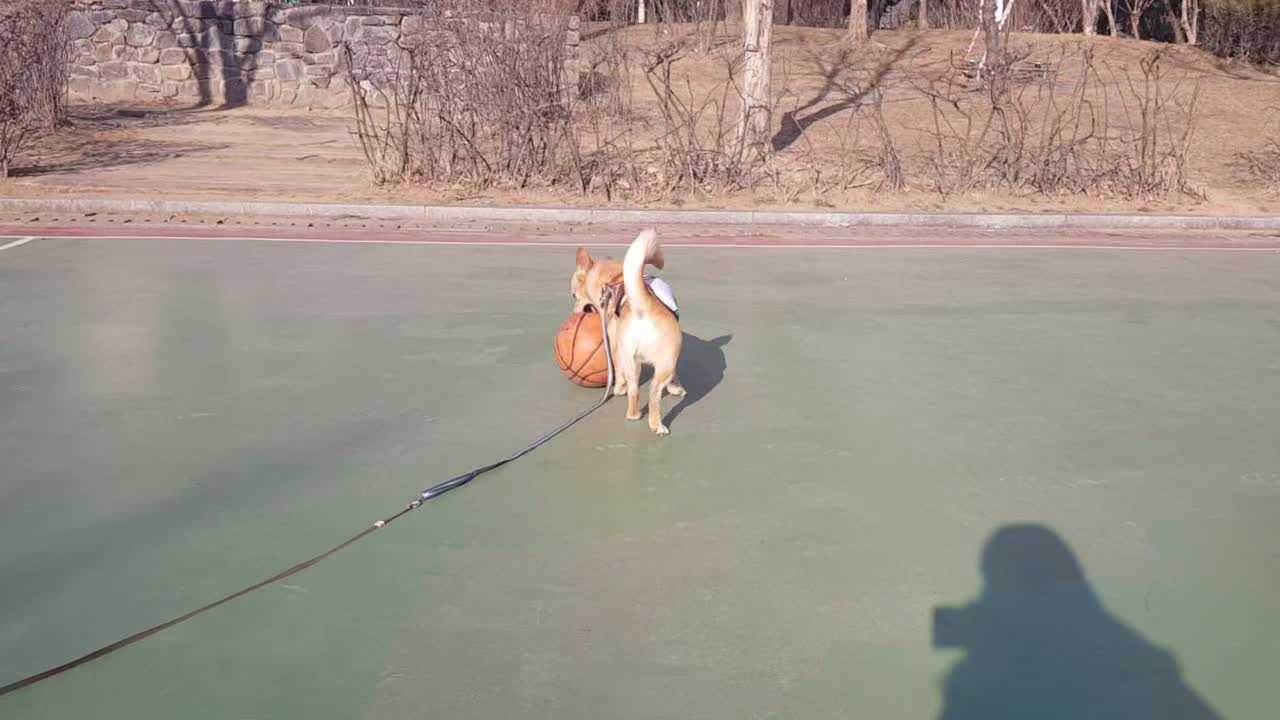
662	290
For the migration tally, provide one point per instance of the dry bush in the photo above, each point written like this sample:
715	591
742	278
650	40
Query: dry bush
698	142
864	153
604	120
1242	29
34	57
1047	16
482	101
1114	132
1263	165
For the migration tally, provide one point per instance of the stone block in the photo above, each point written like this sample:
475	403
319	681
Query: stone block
114	70
169	90
146	73
80	87
351	26
289	49
176	72
266	58
336	33
108	34
328	59
316	40
148	89
189	89
290	34
413	25
82	71
122	52
249	26
114	91
80	26
147	55
158	21
266	72
376	35
188	41
102	52
132	15
173	56
82	53
250	8
289	70
140	35
246	45
262	91
205	72
101	17
165	39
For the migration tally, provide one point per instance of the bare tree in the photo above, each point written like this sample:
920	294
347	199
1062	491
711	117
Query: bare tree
922	20
1136	9
1091	9
34	62
858	22
757	35
1190	20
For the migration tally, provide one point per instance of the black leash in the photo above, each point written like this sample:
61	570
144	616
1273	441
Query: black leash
429	494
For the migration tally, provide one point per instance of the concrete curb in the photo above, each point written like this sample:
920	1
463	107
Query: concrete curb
430	213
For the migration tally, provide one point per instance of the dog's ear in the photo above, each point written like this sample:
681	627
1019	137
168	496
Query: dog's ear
584	260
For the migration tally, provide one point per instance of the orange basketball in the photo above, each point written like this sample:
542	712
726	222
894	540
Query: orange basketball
580	350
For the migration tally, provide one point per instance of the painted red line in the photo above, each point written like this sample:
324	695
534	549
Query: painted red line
1011	239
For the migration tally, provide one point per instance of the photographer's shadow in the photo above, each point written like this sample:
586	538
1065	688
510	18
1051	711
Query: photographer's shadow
1039	644
701	368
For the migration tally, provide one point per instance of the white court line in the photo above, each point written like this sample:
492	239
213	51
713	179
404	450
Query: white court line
16	243
669	243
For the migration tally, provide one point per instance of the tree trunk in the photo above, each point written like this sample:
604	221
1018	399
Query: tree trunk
733	10
858	22
1135	25
1089	12
781	12
1171	17
640	13
990	34
1191	21
922	20
1109	9
757	34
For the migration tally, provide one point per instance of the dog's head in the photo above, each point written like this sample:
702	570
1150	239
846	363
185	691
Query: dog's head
590	278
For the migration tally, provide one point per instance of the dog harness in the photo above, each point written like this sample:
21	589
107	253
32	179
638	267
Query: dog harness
662	291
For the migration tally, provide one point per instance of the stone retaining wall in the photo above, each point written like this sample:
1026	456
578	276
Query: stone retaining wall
233	52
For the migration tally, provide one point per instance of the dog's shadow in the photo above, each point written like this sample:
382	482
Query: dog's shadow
700	370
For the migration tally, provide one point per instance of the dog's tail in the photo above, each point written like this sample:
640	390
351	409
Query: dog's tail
644	250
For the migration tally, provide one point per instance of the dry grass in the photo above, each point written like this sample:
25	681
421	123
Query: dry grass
1262	165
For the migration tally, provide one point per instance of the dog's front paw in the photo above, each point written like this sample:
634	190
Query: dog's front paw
677	390
634	416
620	389
662	430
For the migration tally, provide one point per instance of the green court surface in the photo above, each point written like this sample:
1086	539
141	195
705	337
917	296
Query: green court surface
908	483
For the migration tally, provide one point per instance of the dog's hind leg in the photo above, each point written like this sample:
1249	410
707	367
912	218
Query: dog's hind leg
630	369
675	388
662	378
